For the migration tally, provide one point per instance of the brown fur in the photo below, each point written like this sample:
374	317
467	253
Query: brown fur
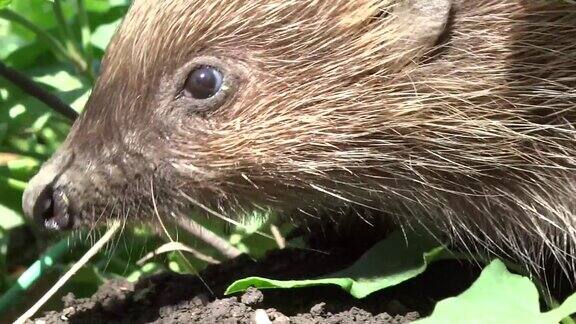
467	125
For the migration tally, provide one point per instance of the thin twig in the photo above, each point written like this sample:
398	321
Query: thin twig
69	41
40	33
179	255
28	278
280	240
85	258
207	236
59	49
64	30
33	89
85	35
177	246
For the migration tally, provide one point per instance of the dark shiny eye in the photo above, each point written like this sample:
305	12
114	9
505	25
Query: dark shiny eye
203	82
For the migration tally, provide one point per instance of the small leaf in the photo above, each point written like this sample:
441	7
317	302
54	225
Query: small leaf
103	34
60	80
387	264
566	309
11	202
100	6
20	168
176	246
147	269
10	218
3	131
498	296
4	3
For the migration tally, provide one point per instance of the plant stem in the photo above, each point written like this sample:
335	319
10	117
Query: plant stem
63	26
40	33
33	89
13	183
32	274
204	234
4	238
82	64
55	44
112	230
85	34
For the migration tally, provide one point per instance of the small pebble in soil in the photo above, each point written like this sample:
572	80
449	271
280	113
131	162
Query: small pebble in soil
318	309
252	297
200	300
261	317
276	317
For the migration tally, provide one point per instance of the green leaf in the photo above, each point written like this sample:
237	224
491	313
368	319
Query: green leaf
387	264
563	311
10	202
4	3
3	131
85	282
61	80
21	169
103	34
10	42
10	218
42	14
145	270
103	6
4	238
498	297
69	88
248	239
41	266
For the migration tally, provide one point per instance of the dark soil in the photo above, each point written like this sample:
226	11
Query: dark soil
174	298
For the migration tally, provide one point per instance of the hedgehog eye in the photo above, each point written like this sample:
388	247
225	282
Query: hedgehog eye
203	82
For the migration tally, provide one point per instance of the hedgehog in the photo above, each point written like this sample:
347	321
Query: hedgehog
452	114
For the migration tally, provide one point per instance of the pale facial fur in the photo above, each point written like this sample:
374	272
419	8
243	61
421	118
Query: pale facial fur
455	114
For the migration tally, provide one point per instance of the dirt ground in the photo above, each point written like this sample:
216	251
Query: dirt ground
174	298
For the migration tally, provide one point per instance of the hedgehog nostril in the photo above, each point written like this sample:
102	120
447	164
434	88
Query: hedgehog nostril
52	209
43	207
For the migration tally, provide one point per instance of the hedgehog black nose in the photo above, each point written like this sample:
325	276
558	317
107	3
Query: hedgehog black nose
47	204
51	210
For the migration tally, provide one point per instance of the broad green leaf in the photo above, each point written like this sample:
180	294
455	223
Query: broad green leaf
4	3
4	238
42	14
248	239
29	126
147	269
10	218
85	282
388	263
10	41
567	308
19	168
3	131
81	98
114	3
498	297
103	6
103	34
68	87
10	202
24	54
60	80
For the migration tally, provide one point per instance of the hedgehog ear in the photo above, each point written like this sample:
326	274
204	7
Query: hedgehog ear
415	26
